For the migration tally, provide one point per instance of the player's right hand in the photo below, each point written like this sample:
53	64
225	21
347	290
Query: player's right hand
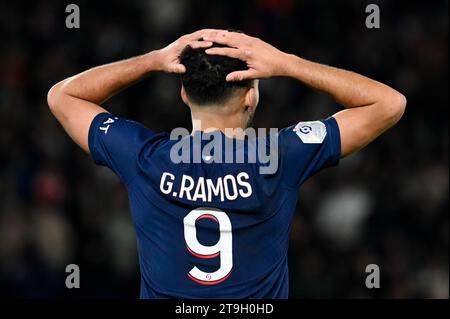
263	60
169	57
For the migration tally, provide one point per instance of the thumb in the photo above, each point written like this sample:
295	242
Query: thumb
178	68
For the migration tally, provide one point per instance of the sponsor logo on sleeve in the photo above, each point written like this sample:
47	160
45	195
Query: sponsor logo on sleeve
311	132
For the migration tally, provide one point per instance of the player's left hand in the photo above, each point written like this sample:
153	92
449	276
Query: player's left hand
169	57
263	60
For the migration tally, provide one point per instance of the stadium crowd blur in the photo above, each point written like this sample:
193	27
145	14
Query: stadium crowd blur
386	205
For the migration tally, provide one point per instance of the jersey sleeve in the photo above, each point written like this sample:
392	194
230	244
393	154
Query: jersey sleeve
116	142
308	147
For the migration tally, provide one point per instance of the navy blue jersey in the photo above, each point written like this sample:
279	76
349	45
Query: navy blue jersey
211	230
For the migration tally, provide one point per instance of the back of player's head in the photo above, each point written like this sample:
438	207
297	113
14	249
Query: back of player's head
204	79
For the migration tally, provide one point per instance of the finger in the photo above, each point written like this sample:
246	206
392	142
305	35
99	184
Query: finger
197	35
211	33
242	75
200	44
231	39
229	52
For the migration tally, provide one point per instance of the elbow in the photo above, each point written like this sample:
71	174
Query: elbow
54	96
400	105
395	106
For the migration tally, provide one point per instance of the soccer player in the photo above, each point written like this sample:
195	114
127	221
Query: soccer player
213	229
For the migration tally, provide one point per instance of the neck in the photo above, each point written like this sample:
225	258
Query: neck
219	118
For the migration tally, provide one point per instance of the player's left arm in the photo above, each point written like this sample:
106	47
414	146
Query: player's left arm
76	100
371	107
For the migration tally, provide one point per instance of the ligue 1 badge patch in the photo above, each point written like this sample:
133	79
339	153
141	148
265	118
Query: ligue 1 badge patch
311	132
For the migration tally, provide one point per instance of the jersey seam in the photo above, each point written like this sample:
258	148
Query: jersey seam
132	179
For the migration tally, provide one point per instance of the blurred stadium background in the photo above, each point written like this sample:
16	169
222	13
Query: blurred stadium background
386	205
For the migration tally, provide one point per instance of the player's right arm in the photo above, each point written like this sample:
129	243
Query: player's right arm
76	101
371	107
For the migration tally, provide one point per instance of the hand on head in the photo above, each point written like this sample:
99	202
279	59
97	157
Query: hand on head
169	57
263	60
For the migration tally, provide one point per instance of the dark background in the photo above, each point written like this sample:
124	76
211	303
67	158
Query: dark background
387	204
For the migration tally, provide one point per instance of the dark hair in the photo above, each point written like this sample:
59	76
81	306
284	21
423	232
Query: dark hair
204	79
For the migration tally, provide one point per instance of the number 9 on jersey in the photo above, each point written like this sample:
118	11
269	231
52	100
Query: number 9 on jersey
223	248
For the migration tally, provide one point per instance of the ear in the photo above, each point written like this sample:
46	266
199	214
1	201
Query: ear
184	96
251	99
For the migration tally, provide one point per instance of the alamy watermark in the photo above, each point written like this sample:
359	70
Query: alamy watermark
373	19
73	18
250	146
73	277
373	279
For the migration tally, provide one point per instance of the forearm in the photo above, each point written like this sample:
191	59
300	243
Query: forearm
98	84
372	107
75	101
347	88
